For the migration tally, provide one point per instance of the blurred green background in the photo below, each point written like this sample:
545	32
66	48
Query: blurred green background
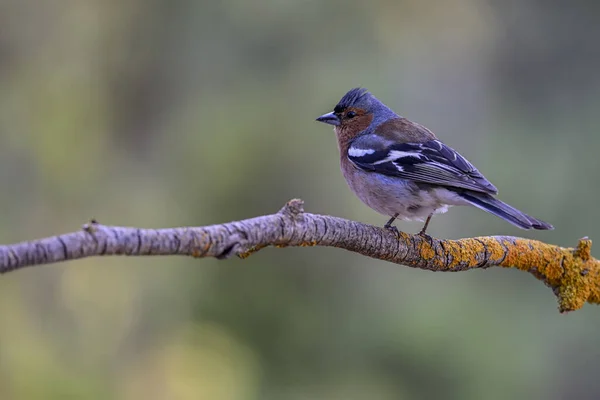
164	113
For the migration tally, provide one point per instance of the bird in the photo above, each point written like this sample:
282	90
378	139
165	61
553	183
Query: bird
400	169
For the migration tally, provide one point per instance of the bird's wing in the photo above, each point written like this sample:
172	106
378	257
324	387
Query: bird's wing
430	162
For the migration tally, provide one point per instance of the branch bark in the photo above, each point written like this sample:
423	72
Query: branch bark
572	273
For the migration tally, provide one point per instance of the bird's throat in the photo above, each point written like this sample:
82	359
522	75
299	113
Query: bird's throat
344	138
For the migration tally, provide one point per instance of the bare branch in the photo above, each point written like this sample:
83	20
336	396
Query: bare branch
572	273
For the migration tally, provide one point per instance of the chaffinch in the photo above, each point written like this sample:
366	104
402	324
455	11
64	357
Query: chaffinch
400	169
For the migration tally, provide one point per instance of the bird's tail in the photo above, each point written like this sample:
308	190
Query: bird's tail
504	211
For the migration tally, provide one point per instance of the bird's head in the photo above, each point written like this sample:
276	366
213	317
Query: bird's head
357	111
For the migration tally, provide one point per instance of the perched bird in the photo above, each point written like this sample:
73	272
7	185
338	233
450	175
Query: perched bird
400	169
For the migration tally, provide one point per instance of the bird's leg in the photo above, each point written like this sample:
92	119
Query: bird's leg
422	231
388	225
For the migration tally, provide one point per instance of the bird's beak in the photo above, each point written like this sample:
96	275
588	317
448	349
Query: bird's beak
329	118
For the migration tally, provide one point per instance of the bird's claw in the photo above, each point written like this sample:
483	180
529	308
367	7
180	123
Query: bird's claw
392	229
424	235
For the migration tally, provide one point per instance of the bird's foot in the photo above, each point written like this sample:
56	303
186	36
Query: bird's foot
392	229
424	235
424	229
388	226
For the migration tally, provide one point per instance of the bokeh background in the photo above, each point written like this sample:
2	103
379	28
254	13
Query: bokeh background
164	113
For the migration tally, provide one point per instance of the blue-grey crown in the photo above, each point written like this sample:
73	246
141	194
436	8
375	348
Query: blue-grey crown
361	98
357	97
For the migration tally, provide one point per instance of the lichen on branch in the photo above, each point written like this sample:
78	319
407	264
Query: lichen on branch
572	273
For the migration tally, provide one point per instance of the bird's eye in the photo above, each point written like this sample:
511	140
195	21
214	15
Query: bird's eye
350	114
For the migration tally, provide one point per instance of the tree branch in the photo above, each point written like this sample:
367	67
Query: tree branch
572	273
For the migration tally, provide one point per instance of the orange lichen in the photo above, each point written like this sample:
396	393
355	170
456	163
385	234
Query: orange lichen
572	273
251	251
584	249
426	250
406	237
461	252
566	270
198	251
494	248
308	244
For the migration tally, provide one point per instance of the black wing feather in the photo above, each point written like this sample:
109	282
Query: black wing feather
431	162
